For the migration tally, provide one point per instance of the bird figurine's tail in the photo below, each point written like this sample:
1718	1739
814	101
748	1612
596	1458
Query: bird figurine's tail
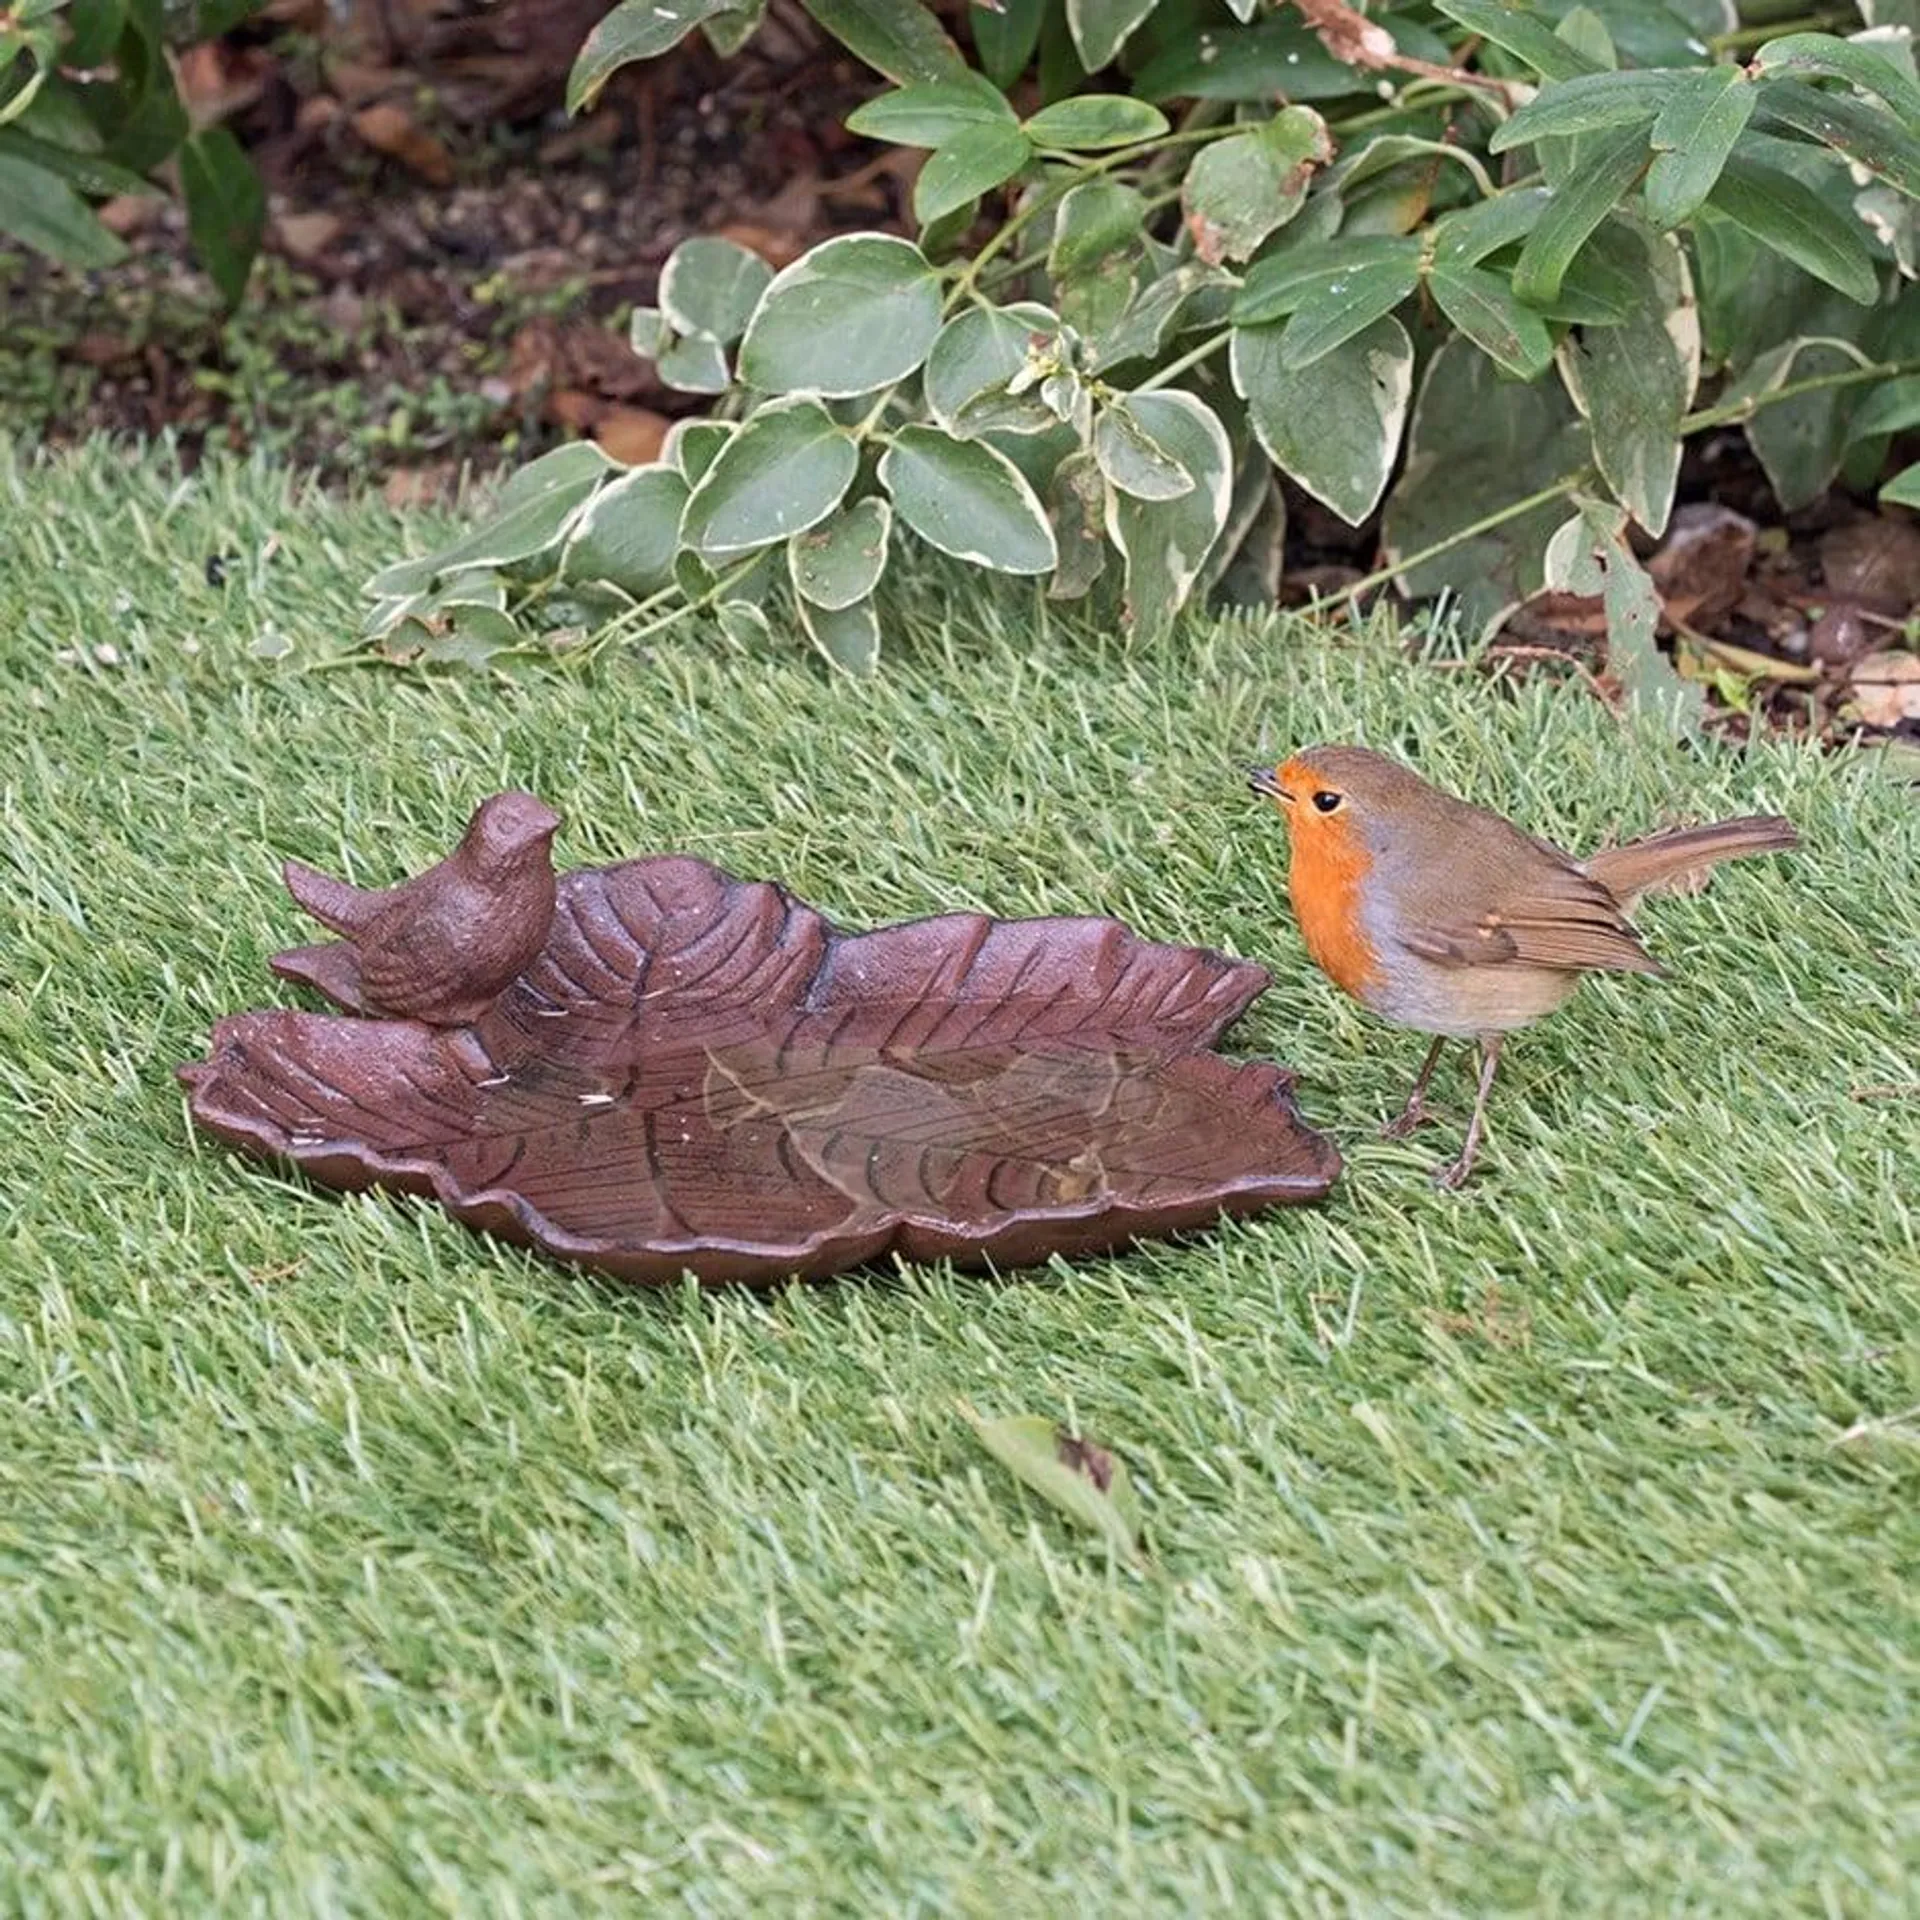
1665	859
335	904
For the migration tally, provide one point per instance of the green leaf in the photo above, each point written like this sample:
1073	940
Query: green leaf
693	445
973	162
1861	66
1635	382
1855	129
1192	295
1334	428
853	314
40	209
967	499
1589	555
1005	40
1090	122
840	560
85	171
1801	440
1133	460
1080	1480
1587	104
1332	314
786	469
726	33
848	636
898	38
932	113
1276	59
533	513
648	333
1241	189
1077	507
1903	490
977	354
696	364
1482	306
1469	234
629	533
1166	542
1572	213
634	30
1793	220
1479	443
1276	286
1100	28
1891	407
1691	141
1522	33
1094	220
711	286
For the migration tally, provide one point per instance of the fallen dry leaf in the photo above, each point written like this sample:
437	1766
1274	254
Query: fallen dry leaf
389	128
632	435
306	236
1700	569
1886	688
1875	562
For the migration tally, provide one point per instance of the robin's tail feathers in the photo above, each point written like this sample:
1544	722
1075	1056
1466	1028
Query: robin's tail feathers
1664	859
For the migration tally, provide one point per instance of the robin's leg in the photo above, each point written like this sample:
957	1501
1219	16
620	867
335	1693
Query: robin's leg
1456	1171
1414	1113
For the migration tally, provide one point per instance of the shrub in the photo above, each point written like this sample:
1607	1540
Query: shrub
88	108
1470	259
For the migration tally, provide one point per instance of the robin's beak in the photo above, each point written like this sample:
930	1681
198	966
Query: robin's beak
1261	780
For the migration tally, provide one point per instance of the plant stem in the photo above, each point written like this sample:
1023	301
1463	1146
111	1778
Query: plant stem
1758	36
1730	411
1383	576
1175	368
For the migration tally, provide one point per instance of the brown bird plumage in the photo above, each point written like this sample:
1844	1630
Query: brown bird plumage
1444	917
443	946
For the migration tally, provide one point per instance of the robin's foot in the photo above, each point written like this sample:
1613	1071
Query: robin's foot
1453	1175
1411	1118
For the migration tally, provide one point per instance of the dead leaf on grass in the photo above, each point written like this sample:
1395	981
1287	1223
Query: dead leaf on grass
1886	688
1081	1479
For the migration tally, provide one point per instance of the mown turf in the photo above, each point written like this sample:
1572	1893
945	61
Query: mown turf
1548	1548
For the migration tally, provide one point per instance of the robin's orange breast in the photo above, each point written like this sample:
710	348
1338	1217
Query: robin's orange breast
1327	878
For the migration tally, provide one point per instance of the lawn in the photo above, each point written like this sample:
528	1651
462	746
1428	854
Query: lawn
1546	1548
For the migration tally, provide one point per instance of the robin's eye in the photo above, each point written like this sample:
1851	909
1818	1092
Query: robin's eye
1325	802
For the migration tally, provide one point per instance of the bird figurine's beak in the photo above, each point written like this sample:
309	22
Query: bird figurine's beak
1261	780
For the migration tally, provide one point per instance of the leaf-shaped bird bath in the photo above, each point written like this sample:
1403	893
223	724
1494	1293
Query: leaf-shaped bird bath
699	1074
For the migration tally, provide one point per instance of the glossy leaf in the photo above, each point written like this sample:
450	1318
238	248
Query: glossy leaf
1522	33
1005	34
1587	104
1275	287
1635	382
1691	141
634	30
1165	543
711	286
1334	427
1858	65
933	112
898	38
1482	306
696	364
1801	440
786	469
1133	460
850	315
1573	211
1334	313
1855	129
967	499
40	209
849	636
692	445
1247	186
629	532
973	162
1903	490
1100	28
977	354
841	560
1793	220
1090	122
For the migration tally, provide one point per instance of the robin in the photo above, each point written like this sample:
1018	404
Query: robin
443	946
1446	918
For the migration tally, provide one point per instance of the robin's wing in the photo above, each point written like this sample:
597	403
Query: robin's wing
1548	914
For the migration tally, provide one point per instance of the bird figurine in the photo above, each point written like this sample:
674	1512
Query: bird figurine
443	946
1447	918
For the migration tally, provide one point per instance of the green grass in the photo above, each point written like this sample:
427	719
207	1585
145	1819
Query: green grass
1546	1548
